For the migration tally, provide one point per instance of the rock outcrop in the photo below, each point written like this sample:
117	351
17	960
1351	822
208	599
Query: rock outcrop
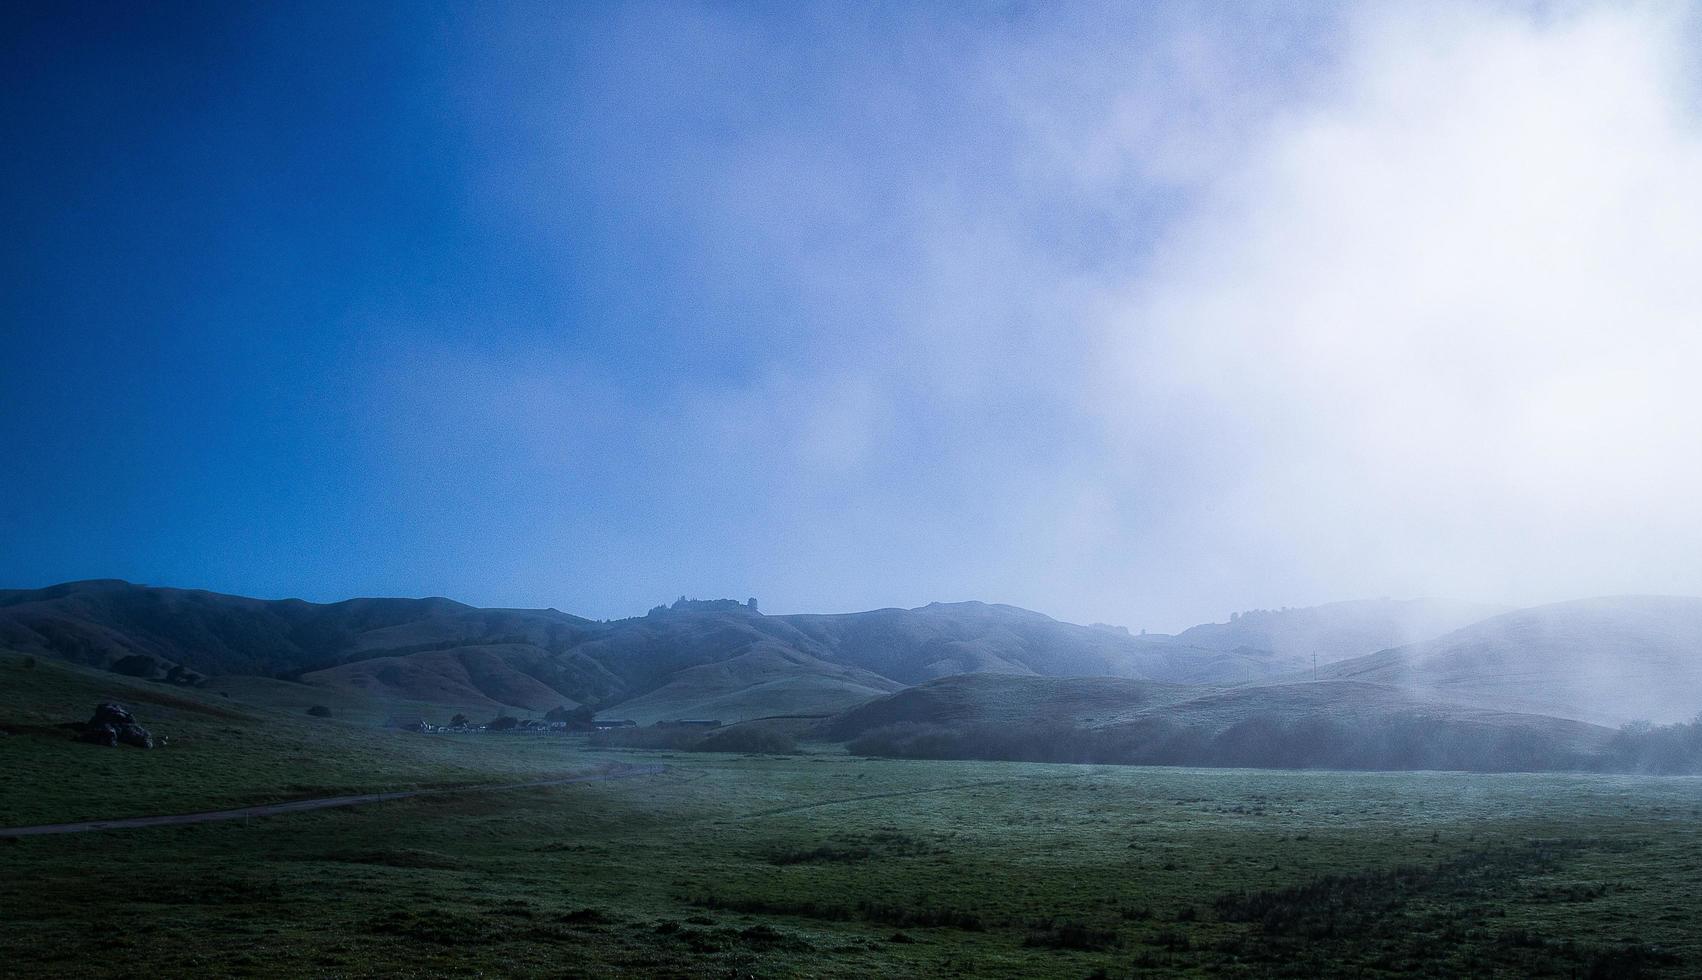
114	725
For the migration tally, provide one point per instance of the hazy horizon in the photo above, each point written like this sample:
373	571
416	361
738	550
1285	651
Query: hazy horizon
641	607
1126	314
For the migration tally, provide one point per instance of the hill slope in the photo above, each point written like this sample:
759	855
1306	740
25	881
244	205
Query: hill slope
1604	660
1337	630
715	659
142	630
1314	724
941	639
768	680
1608	660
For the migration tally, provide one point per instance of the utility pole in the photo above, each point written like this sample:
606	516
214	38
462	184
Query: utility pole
1314	665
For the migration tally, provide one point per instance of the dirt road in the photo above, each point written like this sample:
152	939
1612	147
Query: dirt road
299	806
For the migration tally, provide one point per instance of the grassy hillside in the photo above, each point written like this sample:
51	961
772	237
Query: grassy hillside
346	704
717	658
257	745
1608	661
991	699
1303	725
768	680
912	645
495	676
942	639
146	631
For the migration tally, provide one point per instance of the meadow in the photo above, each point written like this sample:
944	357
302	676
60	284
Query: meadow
820	864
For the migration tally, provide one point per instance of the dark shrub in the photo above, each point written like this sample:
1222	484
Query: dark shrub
1664	749
748	739
503	723
576	718
647	738
909	740
1402	740
319	711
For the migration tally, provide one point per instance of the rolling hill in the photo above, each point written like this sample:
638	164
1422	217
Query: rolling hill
768	680
713	659
1607	660
970	700
1604	661
142	631
1337	630
1330	724
941	639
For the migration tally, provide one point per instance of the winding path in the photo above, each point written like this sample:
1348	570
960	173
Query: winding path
323	803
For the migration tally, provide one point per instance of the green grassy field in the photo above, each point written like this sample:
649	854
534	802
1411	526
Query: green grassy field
256	746
824	864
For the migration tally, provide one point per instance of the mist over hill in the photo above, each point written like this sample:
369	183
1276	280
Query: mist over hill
1338	630
1342	725
1607	660
1600	661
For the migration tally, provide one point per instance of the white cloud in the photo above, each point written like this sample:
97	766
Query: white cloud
1445	323
1136	313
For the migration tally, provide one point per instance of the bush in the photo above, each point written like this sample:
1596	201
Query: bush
647	738
319	711
1663	749
766	741
908	740
578	718
503	723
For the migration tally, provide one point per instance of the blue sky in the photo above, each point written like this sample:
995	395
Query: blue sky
1138	313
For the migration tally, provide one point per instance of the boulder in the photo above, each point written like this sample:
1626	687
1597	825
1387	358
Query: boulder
113	724
100	735
136	735
112	713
